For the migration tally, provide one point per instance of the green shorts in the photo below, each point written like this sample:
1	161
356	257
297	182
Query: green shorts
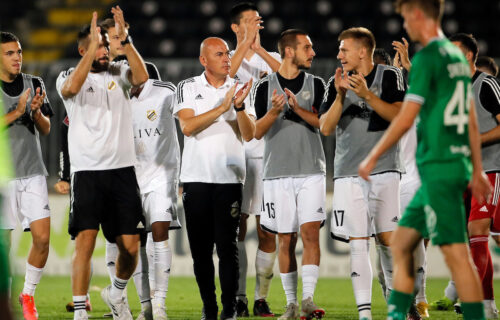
437	210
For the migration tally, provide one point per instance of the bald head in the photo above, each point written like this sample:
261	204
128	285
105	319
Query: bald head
214	56
212	43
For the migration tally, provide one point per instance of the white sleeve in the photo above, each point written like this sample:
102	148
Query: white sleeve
124	72
250	109
266	67
184	97
61	79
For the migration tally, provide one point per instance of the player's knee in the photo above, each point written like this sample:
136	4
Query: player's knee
41	242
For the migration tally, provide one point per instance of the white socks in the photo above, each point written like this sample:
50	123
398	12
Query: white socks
386	263
141	280
117	288
264	263
310	274
31	279
150	250
111	256
80	311
419	258
361	276
289	281
243	266
162	264
451	291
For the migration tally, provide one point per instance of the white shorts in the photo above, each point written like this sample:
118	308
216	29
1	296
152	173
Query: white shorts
291	202
160	205
252	189
408	188
26	198
363	208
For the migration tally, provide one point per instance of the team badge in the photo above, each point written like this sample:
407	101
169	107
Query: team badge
306	95
111	85
235	209
151	114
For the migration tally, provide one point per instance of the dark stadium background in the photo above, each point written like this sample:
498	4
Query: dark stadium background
169	33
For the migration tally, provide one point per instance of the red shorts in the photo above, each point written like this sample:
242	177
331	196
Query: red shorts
490	210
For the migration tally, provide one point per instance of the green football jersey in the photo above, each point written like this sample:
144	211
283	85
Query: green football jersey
440	81
6	172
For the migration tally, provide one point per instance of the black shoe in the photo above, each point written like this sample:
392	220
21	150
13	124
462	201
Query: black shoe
458	308
242	308
208	315
224	316
261	309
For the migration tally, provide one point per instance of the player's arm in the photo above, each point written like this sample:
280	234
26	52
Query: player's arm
490	99
328	120
268	58
251	32
480	185
138	73
192	124
75	80
246	123
42	122
399	126
384	109
308	116
266	118
63	186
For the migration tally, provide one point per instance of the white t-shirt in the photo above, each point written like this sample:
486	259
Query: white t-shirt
216	154
155	136
100	135
256	68
408	149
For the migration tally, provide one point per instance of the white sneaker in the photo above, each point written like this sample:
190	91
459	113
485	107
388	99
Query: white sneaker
490	309
80	315
159	309
119	308
291	312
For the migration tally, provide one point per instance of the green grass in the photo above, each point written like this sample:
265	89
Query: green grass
183	300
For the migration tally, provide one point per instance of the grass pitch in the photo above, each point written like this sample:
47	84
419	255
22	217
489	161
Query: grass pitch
183	300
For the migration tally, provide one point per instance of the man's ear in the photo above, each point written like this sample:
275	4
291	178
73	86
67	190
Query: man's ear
235	27
81	50
203	61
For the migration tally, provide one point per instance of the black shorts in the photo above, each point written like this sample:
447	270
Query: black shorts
109	198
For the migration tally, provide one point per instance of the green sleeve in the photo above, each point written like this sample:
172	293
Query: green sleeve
420	78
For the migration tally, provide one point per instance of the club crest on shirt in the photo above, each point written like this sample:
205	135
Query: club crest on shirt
306	95
111	85
151	114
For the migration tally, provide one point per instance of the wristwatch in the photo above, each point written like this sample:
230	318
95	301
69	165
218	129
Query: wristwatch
240	108
128	39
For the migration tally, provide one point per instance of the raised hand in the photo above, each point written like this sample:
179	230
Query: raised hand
228	98
95	31
121	30
278	103
402	52
252	27
242	94
21	104
256	44
357	83
292	100
37	101
341	82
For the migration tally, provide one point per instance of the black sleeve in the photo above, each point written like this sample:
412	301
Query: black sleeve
46	109
393	85
328	97
319	93
64	166
490	95
152	71
259	97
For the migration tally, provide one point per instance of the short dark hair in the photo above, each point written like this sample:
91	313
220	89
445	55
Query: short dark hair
288	38
432	8
6	37
361	34
110	23
238	9
488	63
84	33
381	56
468	42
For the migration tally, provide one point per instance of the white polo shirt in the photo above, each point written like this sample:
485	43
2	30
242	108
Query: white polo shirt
256	68
155	135
216	154
100	135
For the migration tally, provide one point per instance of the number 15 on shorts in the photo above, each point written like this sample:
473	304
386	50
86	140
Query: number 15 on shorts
269	208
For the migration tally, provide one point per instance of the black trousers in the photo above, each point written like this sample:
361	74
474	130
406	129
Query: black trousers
212	217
